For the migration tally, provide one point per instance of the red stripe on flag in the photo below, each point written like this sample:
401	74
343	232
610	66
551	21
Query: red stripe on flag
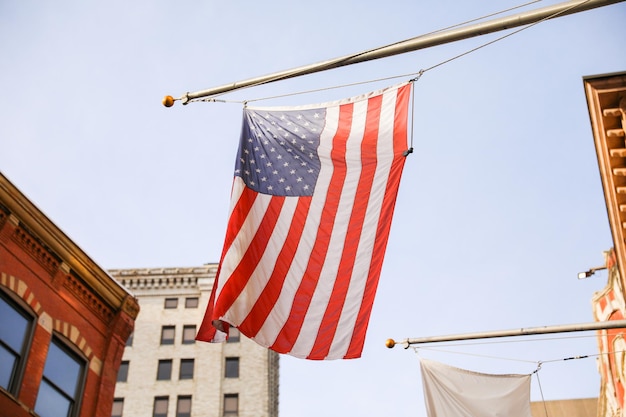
268	297
335	306
240	276
237	216
291	329
384	224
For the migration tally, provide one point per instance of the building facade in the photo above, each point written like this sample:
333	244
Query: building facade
165	372
606	101
580	407
64	321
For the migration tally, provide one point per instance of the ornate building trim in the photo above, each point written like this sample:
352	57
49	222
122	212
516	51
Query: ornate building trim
163	278
21	290
33	246
75	285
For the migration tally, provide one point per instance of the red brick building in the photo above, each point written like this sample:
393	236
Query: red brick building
64	321
606	101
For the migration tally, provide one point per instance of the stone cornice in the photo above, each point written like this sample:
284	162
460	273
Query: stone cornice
162	278
606	101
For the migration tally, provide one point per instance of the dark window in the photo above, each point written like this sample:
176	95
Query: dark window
62	382
129	341
191	302
233	335
15	334
189	334
231	369
118	407
167	335
171	302
186	369
164	372
183	406
122	373
160	406
231	405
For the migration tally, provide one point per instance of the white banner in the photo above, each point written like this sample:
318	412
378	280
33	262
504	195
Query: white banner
454	392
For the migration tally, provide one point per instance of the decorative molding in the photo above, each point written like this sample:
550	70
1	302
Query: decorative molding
32	245
21	289
75	285
57	243
5	213
72	333
131	306
607	112
163	278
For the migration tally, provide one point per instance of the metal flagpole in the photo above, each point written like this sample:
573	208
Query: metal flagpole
409	45
598	325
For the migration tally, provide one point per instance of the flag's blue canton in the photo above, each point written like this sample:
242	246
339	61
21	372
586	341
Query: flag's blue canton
278	151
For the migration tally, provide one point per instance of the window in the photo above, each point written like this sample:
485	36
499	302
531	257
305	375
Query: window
62	383
191	302
164	371
118	407
160	406
189	334
122	373
231	405
233	335
167	335
171	303
183	406
129	341
186	369
231	370
15	334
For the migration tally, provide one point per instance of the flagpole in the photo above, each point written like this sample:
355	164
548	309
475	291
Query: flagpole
564	328
409	45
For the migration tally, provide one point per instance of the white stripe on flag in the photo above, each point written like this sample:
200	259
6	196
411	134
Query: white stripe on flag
319	303
366	242
244	237
280	313
250	294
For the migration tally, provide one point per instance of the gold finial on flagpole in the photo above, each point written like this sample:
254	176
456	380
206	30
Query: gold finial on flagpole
390	343
168	101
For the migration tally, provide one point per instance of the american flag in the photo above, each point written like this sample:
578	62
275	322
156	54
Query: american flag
311	207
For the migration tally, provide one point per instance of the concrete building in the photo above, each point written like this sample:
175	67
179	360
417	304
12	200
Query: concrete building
63	319
165	372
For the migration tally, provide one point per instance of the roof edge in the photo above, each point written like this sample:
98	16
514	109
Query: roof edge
69	252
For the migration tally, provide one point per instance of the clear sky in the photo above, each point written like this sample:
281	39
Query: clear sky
499	208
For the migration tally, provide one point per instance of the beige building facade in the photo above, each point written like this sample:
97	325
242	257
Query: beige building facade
166	373
580	407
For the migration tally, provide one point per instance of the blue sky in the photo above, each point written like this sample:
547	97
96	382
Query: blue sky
499	208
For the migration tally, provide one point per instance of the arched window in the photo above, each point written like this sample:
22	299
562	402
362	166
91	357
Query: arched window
16	330
62	383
